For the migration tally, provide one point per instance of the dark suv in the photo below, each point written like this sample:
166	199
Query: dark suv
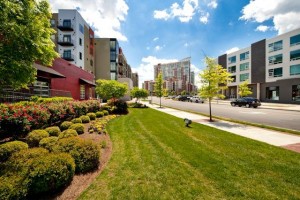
246	101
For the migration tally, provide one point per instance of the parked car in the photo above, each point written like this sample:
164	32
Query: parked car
246	101
181	98
196	99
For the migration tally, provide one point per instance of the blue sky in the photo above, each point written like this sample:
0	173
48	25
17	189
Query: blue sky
156	31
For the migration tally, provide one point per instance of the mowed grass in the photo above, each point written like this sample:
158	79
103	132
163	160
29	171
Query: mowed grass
156	157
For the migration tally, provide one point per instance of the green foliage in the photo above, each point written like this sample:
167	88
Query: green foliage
78	127
165	92
108	89
183	92
25	35
137	105
99	114
92	116
138	93
48	143
65	125
34	137
53	130
13	186
105	112
86	153
76	120
7	149
119	107
68	133
244	90
85	119
52	100
158	87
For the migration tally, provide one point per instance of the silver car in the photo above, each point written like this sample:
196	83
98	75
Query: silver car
196	99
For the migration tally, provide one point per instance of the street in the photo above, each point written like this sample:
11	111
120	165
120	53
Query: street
277	118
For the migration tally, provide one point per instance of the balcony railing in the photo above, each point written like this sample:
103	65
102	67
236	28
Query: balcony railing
68	57
65	27
65	42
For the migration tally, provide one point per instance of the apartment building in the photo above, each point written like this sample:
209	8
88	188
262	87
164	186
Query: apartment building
135	79
272	67
149	86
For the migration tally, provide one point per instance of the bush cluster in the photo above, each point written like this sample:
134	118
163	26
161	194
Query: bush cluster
53	130
34	137
68	133
78	127
65	125
99	114
48	143
85	119
76	120
118	107
92	116
7	149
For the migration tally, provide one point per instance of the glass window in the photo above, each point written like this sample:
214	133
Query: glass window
277	72
81	29
113	76
244	77
295	69
232	69
275	46
295	40
80	41
52	22
244	66
82	92
296	92
113	66
112	45
67	38
295	55
244	56
113	56
233	79
67	23
272	93
232	59
275	59
67	54
80	55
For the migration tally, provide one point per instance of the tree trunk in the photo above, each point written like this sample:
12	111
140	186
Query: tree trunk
160	102
210	119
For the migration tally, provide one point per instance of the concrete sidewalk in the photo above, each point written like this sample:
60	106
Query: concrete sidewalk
275	138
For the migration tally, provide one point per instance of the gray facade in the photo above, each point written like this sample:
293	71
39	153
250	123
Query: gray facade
258	61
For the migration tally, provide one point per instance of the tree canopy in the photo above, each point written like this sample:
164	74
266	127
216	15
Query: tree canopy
244	90
110	89
25	37
138	93
158	87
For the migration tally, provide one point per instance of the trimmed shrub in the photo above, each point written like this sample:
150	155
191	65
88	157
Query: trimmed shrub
119	107
91	115
48	143
65	125
86	153
68	133
78	127
76	120
7	149
13	186
105	112
53	130
99	114
34	137
85	119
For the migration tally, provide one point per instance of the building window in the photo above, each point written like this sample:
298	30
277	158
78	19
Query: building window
91	62
80	55
232	69
277	72
233	79
67	23
296	92
67	54
244	66
244	77
52	22
275	46
113	56
67	38
82	91
272	93
112	45
295	69
81	29
113	66
295	40
113	76
275	59
232	59
244	56
80	41
295	55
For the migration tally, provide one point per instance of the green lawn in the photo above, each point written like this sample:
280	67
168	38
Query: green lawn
156	157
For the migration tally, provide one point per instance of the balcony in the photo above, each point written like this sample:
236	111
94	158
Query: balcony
67	56
65	27
65	42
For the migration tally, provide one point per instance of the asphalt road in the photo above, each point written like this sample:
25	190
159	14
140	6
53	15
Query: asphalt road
278	118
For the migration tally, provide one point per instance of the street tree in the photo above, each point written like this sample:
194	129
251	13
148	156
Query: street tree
158	87
183	92
110	89
165	92
138	93
214	78
244	89
25	37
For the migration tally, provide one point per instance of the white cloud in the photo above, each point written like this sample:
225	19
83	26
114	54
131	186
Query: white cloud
105	16
262	28
155	39
284	13
184	13
232	50
213	4
204	18
157	48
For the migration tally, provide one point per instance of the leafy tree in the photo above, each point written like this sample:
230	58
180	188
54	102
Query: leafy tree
214	78
183	92
158	87
244	90
138	93
25	37
111	89
165	92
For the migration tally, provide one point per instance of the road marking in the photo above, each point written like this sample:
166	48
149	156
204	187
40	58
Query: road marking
254	113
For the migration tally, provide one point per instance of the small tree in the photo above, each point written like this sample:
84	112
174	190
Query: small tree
214	78
138	93
183	92
244	90
158	87
111	89
165	92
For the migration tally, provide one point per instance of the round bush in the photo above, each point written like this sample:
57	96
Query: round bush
86	153
13	186
34	137
68	133
99	114
91	115
85	119
65	125
79	128
105	112
48	143
53	130
76	120
7	149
